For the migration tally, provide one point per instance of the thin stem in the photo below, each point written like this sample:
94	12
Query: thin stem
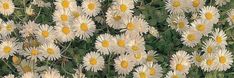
37	14
66	47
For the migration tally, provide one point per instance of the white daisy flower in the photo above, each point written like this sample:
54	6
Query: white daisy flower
225	59
202	26
7	7
26	66
181	24
45	33
76	12
151	56
154	70
104	44
121	42
141	72
219	37
136	44
65	32
114	18
9	27
211	14
209	47
124	6
197	58
209	63
139	57
93	61
181	62
50	51
221	2
30	75
84	27
65	4
230	18
91	7
51	73
28	29
135	25
9	76
62	16
175	6
196	5
34	54
191	37
123	64
173	74
9	48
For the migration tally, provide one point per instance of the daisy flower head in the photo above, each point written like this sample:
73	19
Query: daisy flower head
121	42
45	33
50	51
65	4
191	37
9	48
197	58
154	70
91	7
139	57
209	47
132	26
114	18
93	61
84	27
65	32
230	18
104	44
221	2
181	62
26	66
219	37
76	12
9	27
7	7
181	23
135	44
225	59
141	72
34	54
202	26
151	56
28	29
211	14
124	6
16	60
123	64
9	76
30	75
209	63
143	26
175	6
173	74
196	5
51	73
62	16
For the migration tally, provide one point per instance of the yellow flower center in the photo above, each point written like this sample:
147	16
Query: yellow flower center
200	27
196	3
209	49
222	59
105	43
124	64
26	69
130	26
117	18
65	3
181	25
175	76
50	51
208	15
121	43
9	27
76	14
16	60
66	30
176	3
93	61
137	55
135	48
179	67
191	37
152	71
84	27
219	39
91	6
64	17
7	49
142	75
150	58
34	52
5	5
45	34
123	7
198	58
209	62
